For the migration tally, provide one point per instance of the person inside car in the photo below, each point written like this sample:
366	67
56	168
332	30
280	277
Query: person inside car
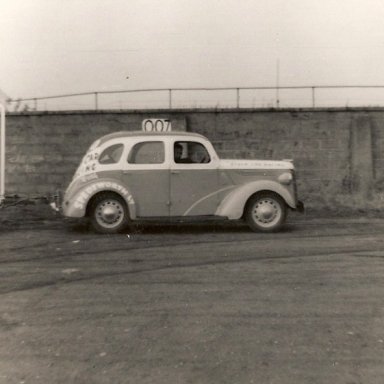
178	154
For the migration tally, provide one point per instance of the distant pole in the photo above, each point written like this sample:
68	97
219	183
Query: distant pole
2	153
170	98
238	97
277	83
96	102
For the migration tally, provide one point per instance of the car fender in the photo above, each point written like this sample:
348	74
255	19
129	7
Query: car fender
232	206
76	206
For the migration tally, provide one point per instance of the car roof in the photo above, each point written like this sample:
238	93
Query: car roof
126	134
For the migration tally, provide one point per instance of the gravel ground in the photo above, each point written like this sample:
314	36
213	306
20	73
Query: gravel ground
197	304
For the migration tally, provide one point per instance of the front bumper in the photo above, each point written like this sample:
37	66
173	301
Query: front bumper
56	201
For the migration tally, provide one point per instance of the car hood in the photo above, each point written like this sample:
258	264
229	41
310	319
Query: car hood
255	164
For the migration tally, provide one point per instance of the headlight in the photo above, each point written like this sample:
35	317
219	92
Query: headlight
285	178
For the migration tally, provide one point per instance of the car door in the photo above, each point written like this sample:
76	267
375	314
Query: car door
193	180
146	175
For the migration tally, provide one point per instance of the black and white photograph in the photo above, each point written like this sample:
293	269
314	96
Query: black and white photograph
191	192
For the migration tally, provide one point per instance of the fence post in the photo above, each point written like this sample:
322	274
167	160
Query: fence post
170	98
96	102
238	97
313	97
277	97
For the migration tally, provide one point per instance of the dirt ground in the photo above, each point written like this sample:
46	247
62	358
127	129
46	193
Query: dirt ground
208	303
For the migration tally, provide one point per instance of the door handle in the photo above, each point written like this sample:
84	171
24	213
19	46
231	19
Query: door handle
175	172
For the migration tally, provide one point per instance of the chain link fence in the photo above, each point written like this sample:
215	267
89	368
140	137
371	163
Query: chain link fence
220	98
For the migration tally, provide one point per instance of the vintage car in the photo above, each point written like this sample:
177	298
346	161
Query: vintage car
137	176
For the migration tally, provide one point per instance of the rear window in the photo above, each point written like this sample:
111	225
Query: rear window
112	154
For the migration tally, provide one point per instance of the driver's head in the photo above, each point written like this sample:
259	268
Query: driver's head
178	149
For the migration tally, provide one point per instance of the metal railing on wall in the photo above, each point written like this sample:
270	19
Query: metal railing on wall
226	97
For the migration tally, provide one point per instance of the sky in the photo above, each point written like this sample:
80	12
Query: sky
51	47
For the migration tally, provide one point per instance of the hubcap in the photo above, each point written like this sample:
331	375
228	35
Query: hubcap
109	213
266	212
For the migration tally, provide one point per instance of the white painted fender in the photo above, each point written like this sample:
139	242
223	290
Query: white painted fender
76	205
233	204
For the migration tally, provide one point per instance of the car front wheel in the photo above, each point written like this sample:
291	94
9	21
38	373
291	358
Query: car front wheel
108	213
266	212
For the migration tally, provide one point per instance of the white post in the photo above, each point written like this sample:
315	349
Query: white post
2	153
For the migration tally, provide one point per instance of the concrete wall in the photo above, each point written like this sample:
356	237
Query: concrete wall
338	153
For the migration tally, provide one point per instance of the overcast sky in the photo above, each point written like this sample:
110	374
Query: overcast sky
56	46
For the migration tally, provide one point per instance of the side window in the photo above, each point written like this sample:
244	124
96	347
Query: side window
190	152
149	152
112	154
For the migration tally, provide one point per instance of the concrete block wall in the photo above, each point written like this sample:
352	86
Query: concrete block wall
44	150
338	153
317	142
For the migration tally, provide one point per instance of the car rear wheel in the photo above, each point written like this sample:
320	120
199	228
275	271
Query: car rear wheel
266	212
108	213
